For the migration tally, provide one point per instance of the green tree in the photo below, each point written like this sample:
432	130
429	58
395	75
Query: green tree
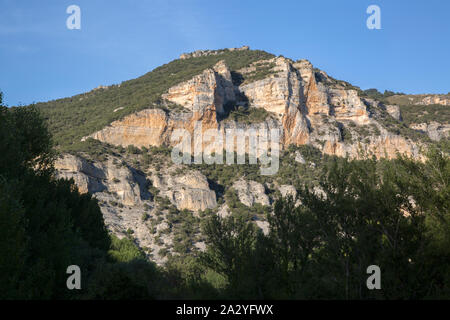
46	224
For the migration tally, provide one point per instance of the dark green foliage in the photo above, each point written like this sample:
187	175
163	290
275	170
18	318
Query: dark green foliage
231	245
294	173
124	250
48	224
375	94
95	149
346	134
133	150
248	115
394	214
220	175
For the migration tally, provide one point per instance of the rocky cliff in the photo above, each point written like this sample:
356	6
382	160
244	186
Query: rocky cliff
308	105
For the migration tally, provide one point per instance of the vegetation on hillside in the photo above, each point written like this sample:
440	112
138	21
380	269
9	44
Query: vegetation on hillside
383	97
425	114
410	99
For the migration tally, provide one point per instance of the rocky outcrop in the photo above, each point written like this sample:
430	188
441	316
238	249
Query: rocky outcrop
87	176
126	184
435	131
385	145
209	90
126	203
287	191
251	192
299	158
394	111
304	103
435	99
189	190
347	105
275	93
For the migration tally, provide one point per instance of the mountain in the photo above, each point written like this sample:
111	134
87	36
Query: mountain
116	142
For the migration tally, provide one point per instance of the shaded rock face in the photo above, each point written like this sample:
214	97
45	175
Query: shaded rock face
88	177
126	203
188	191
394	111
308	106
125	183
288	191
435	131
251	192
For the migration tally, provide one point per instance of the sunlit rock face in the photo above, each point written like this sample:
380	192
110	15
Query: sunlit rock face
251	192
307	106
187	191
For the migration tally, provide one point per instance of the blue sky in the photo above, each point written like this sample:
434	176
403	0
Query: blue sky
40	59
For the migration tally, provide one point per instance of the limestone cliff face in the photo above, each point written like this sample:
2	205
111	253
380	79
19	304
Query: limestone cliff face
394	112
86	176
277	92
435	99
386	145
207	91
187	191
251	192
203	97
309	107
435	131
123	184
127	185
126	203
145	128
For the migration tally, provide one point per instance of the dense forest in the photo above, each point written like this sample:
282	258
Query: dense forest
394	214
